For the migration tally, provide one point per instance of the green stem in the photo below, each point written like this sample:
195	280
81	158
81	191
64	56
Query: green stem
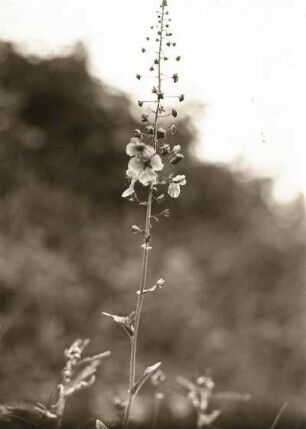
146	249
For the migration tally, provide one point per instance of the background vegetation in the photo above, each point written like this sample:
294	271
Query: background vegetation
234	259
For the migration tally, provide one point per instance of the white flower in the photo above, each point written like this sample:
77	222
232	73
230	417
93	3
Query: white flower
174	188
138	148
144	170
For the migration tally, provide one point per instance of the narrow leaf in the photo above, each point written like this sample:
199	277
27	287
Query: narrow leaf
100	425
125	322
147	373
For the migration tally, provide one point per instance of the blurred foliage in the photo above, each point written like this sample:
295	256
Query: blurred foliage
232	257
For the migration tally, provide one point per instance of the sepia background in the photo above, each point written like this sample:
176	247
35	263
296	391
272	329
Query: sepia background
232	253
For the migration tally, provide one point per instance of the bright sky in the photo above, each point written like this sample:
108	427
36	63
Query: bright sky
244	59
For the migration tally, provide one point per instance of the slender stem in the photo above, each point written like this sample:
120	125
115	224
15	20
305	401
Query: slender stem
146	249
278	416
60	406
156	408
134	339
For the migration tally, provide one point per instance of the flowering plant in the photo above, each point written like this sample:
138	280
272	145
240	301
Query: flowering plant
149	152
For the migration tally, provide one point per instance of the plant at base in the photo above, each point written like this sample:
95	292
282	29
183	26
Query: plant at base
78	373
201	392
149	151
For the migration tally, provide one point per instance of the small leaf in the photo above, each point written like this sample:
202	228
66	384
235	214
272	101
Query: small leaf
207	419
160	199
147	373
100	425
127	323
158	285
165	213
136	229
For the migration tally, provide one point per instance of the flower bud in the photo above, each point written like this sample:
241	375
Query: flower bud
150	129
165	149
173	129
175	77
176	158
161	133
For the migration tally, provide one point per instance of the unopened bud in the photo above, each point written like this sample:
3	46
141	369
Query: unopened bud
161	133
150	129
165	149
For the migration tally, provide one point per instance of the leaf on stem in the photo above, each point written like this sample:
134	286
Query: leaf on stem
126	322
136	229
100	425
207	419
147	373
158	285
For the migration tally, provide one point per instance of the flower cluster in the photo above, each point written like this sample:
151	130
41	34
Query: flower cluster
200	394
149	150
144	162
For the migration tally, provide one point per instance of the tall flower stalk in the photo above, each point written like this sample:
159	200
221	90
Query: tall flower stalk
149	151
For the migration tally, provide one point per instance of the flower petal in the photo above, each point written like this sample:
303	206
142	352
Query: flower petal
156	163
176	148
128	192
180	179
174	190
135	166
147	176
148	152
130	149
